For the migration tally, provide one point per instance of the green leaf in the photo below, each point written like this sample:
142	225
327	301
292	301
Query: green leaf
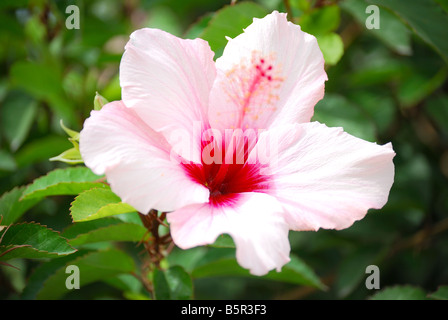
41	150
113	90
425	18
106	229
17	116
43	82
369	101
93	267
70	156
296	271
120	232
405	292
71	133
332	47
440	294
196	29
172	284
224	241
97	203
134	296
417	86
321	21
11	208
32	241
336	111
7	162
99	101
163	18
13	3
443	4
187	259
351	272
69	181
377	71
16	273
392	31
437	109
44	271
129	285
219	28
73	155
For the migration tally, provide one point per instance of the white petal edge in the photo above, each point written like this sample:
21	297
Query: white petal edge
325	177
167	81
255	223
136	161
297	76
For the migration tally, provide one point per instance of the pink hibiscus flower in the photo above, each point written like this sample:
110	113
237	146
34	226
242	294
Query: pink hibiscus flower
228	147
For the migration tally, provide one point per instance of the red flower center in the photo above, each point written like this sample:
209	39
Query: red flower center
227	177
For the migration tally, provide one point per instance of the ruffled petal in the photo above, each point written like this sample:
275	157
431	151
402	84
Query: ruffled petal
324	177
254	222
136	160
167	81
272	74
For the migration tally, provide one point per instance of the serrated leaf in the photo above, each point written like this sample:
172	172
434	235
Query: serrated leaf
440	294
219	28
32	241
11	208
405	292
106	229
296	272
172	284
69	181
94	266
97	203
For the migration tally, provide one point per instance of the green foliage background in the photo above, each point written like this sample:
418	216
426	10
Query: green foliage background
387	84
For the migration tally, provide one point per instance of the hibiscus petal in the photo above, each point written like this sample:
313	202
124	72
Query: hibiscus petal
167	81
136	160
272	74
255	223
326	178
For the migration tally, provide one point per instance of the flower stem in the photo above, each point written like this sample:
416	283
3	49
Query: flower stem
157	246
